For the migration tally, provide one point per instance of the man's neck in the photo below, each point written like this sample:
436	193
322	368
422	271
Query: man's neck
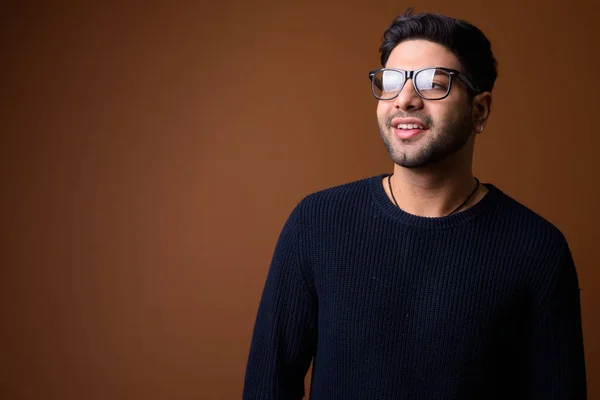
433	191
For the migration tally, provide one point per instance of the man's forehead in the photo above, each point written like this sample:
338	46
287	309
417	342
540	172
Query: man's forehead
419	53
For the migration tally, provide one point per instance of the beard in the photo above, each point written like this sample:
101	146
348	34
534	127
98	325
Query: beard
441	140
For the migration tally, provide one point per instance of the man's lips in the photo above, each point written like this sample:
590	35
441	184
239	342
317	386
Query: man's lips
407	133
407	128
408	123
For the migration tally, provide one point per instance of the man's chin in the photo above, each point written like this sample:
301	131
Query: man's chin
407	162
412	165
414	161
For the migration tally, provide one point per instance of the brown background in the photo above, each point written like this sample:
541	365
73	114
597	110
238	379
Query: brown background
151	153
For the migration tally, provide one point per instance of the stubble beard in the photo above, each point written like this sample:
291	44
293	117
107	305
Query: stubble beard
440	141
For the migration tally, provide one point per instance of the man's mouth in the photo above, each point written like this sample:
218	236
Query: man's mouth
410	126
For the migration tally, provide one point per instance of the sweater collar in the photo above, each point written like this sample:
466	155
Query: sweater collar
488	202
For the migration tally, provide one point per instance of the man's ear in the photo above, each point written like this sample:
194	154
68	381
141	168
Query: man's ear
482	107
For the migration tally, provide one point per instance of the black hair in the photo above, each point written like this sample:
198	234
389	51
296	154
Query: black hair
465	41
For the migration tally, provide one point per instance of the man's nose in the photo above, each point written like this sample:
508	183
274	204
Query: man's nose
408	98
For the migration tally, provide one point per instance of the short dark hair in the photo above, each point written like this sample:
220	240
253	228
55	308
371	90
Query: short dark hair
467	42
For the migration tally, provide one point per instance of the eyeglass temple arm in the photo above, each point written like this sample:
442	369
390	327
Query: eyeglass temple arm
467	82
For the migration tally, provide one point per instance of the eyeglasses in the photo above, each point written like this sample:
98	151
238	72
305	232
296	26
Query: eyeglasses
433	83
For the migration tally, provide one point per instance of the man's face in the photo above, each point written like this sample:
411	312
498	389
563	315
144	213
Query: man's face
447	123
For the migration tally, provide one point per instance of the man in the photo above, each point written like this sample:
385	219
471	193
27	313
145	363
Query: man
421	284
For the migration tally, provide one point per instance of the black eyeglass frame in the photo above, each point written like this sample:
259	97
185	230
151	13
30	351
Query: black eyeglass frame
410	74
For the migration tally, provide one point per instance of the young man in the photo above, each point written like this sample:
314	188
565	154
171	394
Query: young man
422	284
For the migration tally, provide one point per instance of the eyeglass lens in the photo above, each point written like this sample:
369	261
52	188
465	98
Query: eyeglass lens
431	83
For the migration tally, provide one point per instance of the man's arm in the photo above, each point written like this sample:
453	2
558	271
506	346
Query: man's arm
284	336
557	365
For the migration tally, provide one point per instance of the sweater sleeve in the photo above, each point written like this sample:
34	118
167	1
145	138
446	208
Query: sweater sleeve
556	359
284	338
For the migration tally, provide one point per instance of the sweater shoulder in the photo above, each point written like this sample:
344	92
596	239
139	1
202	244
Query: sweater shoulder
346	196
530	223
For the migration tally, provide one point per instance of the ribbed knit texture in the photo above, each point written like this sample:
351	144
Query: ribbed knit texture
482	304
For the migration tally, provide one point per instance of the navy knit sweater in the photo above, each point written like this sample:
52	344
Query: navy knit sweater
482	304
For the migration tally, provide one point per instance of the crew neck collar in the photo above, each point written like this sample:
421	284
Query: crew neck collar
385	204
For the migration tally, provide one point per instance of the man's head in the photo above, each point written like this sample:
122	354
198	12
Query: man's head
462	84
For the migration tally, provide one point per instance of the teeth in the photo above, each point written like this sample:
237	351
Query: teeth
409	126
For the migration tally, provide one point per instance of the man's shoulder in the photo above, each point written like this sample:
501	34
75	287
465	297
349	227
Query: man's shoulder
525	221
346	193
345	200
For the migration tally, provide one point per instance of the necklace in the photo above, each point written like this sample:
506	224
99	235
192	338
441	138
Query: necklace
455	210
